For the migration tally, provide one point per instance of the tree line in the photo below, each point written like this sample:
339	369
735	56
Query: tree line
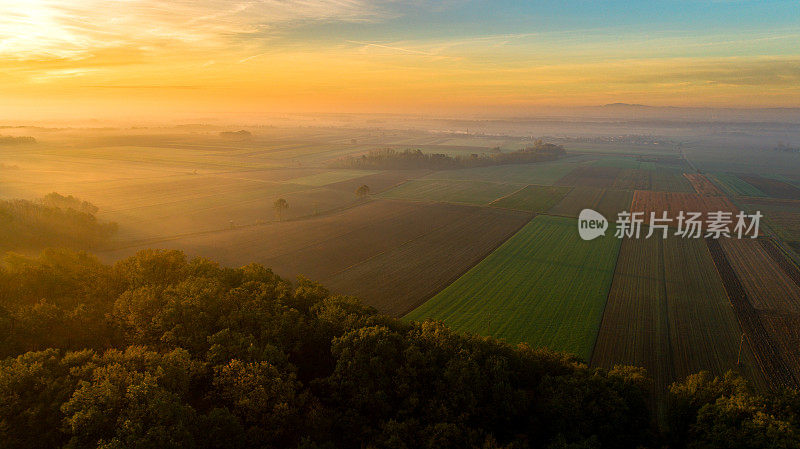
391	159
162	351
17	140
54	220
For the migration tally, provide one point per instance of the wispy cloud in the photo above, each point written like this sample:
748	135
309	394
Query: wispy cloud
392	47
149	86
250	58
36	29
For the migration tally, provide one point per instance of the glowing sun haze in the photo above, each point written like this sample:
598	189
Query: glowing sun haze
145	57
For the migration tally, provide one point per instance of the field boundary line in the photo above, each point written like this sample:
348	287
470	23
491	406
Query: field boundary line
478	260
665	310
508	195
571	188
605	304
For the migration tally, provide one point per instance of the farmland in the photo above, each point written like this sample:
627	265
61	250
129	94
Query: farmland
704	331
417	248
735	186
577	199
670	181
532	198
702	185
674	203
621	150
613	202
735	157
466	192
668	311
543	286
750	185
378	182
784	328
782	216
628	173
767	285
173	185
465	240
544	173
766	350
416	270
791	269
633	179
663	180
590	176
635	328
625	163
773	188
330	177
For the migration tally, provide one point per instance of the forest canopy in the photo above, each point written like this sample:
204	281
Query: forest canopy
54	220
162	351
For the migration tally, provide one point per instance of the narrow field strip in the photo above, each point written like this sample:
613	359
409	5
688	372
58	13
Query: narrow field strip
463	192
532	198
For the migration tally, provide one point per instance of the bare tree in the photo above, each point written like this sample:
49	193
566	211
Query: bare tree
280	205
362	191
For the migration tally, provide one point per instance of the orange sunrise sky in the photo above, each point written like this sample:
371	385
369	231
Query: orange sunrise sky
152	58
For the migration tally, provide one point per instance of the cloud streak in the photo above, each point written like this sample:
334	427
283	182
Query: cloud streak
37	29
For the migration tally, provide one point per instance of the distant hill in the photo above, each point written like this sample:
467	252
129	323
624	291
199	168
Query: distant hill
625	105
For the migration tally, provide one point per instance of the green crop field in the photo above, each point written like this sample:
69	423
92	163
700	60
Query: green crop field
625	162
576	200
670	180
621	148
533	198
613	202
466	192
791	180
544	286
540	173
733	185
330	177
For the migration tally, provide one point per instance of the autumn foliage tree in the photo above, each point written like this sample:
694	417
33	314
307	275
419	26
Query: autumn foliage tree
54	220
279	206
362	191
162	351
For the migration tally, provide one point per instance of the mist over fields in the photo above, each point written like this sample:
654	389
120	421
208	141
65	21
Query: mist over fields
198	261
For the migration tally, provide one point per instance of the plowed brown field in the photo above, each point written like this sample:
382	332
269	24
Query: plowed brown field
392	254
702	185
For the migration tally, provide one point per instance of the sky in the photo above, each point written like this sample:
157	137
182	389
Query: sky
94	58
